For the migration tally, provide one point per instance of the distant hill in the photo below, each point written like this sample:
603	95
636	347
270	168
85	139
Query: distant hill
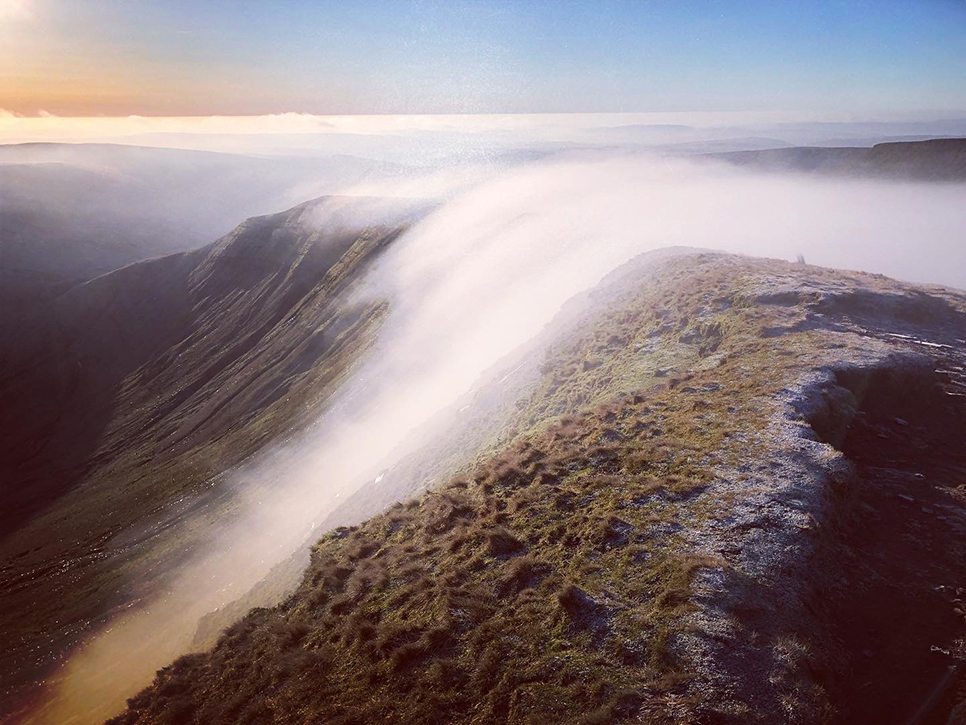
933	160
69	212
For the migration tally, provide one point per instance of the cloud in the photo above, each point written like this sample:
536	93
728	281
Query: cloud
11	10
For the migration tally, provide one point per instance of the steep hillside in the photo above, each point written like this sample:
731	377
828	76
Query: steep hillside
146	384
744	437
932	160
69	212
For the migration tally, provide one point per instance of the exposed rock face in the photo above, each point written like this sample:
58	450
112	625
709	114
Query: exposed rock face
709	523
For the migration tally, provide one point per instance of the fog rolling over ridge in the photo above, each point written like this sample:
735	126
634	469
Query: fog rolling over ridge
482	363
468	284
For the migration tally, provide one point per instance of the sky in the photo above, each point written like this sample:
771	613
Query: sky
236	57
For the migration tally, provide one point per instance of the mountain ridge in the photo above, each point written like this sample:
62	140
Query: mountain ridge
611	565
937	160
101	449
69	212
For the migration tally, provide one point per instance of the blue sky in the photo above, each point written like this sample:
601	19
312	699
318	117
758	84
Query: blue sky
175	57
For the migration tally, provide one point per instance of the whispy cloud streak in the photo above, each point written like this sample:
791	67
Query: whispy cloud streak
472	282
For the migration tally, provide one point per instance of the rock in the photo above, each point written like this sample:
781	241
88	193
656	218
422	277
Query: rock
902	421
905	498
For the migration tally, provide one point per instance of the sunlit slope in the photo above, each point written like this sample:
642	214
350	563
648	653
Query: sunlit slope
144	386
674	550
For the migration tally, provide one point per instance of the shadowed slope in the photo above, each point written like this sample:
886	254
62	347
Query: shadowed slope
148	383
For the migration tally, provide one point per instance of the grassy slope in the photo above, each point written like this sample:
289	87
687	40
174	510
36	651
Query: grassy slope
168	412
553	581
481	423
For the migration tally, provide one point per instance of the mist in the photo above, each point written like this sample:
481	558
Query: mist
422	138
467	285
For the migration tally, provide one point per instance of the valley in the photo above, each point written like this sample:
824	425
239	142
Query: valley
115	453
